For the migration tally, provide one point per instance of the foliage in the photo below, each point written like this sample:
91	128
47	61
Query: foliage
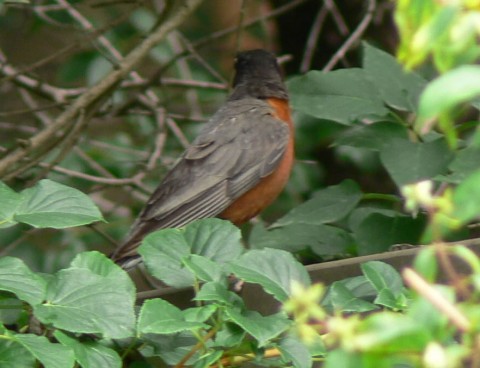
418	126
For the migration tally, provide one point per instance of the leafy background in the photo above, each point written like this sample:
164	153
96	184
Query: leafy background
128	145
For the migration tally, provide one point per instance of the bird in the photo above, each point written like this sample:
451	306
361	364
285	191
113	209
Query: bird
237	165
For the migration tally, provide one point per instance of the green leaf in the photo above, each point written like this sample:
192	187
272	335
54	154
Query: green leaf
358	287
343	96
342	299
273	269
398	88
49	354
377	232
465	163
164	251
214	291
92	296
90	354
261	328
160	317
408	162
199	314
448	91
170	348
203	268
230	335
18	279
50	204
466	198
327	205
383	276
324	240
426	263
372	136
296	352
392	331
15	355
10	202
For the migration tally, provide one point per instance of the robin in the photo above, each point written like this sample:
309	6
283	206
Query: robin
238	164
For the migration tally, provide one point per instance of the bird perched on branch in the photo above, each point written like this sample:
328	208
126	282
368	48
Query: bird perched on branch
238	164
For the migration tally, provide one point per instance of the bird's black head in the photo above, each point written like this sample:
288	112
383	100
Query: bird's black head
257	75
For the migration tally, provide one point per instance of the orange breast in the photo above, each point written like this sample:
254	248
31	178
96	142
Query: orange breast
267	190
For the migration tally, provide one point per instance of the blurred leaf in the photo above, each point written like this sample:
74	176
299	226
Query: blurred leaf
90	354
18	279
344	95
449	91
160	317
466	198
377	232
50	204
49	354
392	331
398	88
372	136
426	264
408	162
164	251
98	69
92	296
15	355
10	310
327	205
273	269
261	328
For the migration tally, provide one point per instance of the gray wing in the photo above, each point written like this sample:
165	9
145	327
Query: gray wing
240	145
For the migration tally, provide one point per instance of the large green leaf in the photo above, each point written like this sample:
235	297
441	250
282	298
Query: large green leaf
48	204
165	251
324	240
160	317
261	328
398	88
90	354
17	278
343	96
49	354
372	136
273	269
327	205
92	296
408	162
377	232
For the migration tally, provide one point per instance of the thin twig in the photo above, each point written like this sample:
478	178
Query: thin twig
354	37
312	40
